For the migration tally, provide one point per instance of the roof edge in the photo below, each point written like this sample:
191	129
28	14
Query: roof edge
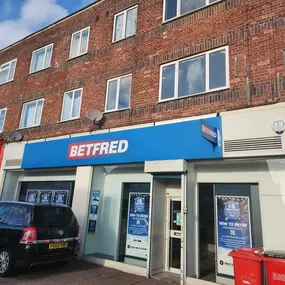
51	25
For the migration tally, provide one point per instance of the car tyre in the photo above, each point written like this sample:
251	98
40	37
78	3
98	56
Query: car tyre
6	263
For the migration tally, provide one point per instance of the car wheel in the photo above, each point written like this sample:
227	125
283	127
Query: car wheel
5	262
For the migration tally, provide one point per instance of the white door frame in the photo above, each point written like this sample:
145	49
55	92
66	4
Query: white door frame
170	233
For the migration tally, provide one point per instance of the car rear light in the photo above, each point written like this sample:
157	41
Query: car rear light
29	235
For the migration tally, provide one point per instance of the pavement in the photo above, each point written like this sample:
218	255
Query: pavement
76	273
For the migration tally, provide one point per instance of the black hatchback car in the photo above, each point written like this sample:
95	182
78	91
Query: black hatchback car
34	234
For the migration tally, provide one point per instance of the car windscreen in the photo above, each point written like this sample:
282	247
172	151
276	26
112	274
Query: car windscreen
54	216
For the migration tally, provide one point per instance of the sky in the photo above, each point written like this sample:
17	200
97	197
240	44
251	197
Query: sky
20	18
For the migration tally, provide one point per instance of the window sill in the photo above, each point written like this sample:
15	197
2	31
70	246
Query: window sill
120	40
30	127
78	56
3	84
193	95
35	72
69	120
190	12
119	110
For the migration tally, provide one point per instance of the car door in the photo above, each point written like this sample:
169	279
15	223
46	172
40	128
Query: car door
4	210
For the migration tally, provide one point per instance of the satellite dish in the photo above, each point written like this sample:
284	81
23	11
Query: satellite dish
15	137
94	115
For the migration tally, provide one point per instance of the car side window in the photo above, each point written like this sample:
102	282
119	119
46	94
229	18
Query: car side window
19	216
4	209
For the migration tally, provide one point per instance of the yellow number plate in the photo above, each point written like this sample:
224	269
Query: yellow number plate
58	245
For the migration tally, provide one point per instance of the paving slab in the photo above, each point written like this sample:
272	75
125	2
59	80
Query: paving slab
76	273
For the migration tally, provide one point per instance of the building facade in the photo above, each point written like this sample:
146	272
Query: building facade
161	123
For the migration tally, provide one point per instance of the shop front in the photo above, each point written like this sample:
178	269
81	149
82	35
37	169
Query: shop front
130	191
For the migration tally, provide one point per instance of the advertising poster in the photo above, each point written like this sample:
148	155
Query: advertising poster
60	197
32	196
93	212
138	225
45	197
233	229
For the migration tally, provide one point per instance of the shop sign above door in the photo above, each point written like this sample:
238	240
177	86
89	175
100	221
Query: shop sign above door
184	140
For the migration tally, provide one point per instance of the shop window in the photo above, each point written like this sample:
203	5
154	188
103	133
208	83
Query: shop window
3	113
7	71
57	192
79	43
125	24
41	58
118	215
118	93
31	114
229	218
177	8
71	105
206	72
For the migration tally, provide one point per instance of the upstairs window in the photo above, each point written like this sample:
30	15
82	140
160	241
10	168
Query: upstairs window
125	24
71	105
41	58
118	93
32	114
2	119
7	71
201	73
79	43
176	8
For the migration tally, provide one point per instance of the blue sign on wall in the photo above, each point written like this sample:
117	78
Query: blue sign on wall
183	140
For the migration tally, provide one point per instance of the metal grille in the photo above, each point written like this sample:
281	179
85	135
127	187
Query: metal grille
13	162
254	144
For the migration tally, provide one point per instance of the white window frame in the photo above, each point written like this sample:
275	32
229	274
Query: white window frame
178	14
3	109
124	23
23	108
9	62
80	41
207	74
65	94
118	93
43	67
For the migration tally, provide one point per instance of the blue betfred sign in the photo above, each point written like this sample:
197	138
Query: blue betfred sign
185	140
210	133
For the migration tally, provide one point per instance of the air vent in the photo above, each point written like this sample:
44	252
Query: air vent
255	144
13	162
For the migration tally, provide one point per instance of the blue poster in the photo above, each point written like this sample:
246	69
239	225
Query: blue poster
45	197
32	196
60	197
233	229
92	226
138	225
95	196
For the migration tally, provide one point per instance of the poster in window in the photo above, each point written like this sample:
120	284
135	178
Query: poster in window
32	196
138	225
233	229
93	212
45	197
60	197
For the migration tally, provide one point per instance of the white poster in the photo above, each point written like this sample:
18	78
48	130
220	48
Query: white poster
138	225
233	230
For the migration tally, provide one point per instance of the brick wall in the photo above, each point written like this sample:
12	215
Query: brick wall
254	30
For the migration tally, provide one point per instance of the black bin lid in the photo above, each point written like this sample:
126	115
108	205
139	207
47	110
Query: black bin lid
275	254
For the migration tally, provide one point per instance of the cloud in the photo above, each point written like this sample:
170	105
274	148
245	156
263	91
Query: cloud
34	15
